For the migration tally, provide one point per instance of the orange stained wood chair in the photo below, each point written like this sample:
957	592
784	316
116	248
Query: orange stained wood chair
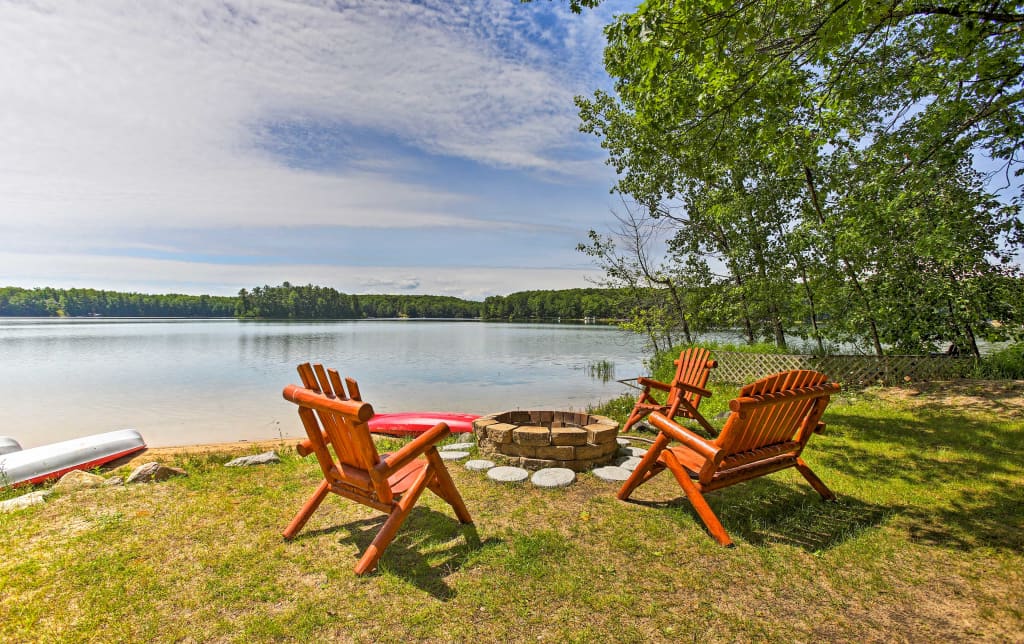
684	392
391	483
770	424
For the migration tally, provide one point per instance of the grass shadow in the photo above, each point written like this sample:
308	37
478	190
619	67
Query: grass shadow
944	446
429	546
970	466
974	520
765	511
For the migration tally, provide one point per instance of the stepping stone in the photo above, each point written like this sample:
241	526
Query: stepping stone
453	456
479	465
507	474
456	447
628	462
631	451
610	473
623	442
553	477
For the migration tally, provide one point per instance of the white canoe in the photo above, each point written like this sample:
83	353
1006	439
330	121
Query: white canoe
38	464
8	445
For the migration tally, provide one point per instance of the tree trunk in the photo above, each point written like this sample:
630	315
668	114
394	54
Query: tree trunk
747	326
810	298
680	309
848	267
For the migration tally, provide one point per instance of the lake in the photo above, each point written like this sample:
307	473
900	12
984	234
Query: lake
182	382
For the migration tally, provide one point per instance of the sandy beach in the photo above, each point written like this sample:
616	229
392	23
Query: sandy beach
241	448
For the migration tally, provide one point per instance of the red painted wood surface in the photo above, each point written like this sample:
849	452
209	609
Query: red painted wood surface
417	422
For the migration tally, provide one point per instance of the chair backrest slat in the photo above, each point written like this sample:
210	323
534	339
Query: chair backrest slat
327	411
692	367
776	409
323	457
353	389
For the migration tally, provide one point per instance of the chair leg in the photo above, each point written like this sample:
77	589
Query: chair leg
307	510
645	469
634	418
387	532
704	511
813	479
445	487
637	414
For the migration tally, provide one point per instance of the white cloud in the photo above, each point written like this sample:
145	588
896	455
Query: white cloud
127	114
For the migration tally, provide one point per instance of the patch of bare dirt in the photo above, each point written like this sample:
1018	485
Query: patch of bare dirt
1000	397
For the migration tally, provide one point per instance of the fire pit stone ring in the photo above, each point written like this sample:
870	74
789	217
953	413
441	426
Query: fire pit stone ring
539	439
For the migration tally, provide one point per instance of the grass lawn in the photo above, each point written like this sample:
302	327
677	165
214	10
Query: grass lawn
925	543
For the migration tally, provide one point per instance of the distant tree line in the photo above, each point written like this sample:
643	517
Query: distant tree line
321	302
310	302
79	302
571	304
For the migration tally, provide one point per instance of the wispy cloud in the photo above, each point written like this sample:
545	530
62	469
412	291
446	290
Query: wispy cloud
158	112
143	122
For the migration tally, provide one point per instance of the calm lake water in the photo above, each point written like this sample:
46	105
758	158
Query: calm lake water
182	382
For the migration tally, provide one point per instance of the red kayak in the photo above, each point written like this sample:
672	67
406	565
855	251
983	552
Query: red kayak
417	422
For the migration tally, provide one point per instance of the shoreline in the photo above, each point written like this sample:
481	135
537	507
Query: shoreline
240	448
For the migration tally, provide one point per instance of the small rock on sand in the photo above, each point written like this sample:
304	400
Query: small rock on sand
153	472
24	501
265	458
78	480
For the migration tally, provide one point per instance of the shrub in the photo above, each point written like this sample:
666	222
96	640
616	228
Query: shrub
1006	363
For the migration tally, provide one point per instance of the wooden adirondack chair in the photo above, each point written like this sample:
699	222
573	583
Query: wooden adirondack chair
771	422
684	392
391	483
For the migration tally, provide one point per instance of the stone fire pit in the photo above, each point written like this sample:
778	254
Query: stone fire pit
538	439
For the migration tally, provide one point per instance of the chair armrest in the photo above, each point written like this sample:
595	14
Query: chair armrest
679	433
305	448
651	382
412	450
694	388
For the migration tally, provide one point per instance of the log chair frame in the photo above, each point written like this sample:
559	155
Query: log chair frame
391	483
688	386
771	421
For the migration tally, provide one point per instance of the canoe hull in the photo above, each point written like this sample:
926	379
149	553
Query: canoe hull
38	464
408	423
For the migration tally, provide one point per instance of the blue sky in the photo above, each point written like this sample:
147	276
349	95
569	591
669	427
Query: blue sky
376	147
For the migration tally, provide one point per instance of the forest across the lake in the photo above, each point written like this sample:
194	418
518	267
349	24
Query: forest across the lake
310	302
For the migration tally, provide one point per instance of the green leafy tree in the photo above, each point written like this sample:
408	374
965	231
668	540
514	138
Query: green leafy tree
791	140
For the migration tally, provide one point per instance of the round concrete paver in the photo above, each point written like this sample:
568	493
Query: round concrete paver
479	465
453	456
628	462
632	451
623	442
456	447
553	477
610	473
506	474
